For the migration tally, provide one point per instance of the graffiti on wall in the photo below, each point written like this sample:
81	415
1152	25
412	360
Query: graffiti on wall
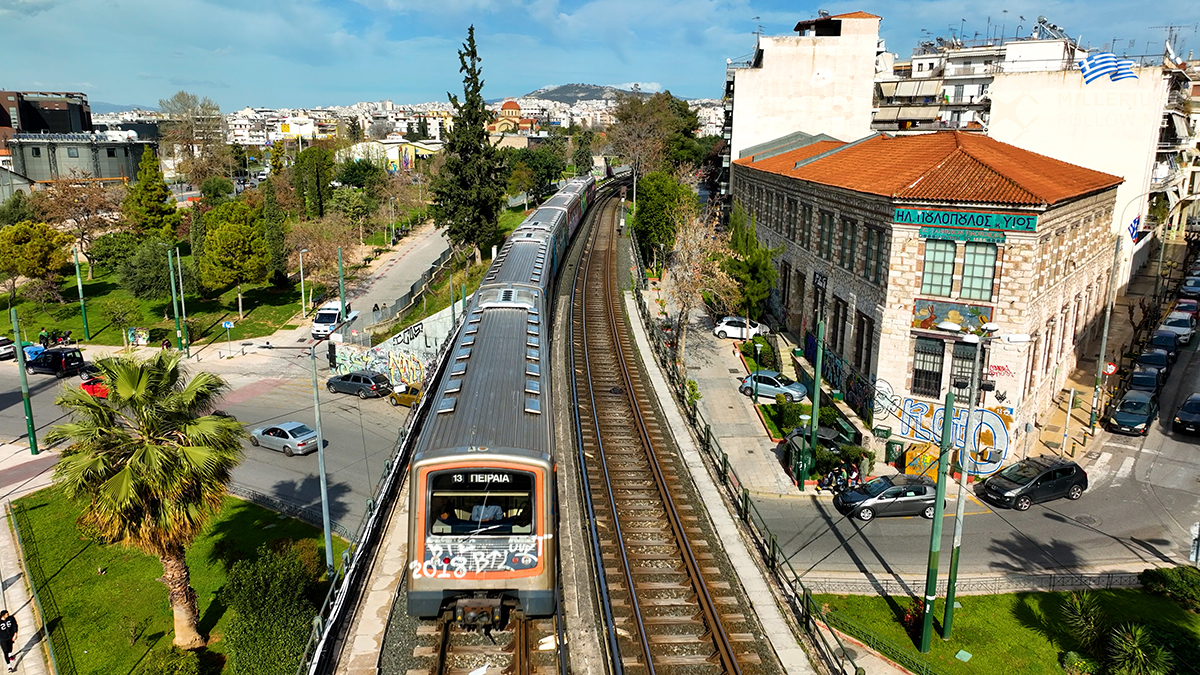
857	391
922	421
400	367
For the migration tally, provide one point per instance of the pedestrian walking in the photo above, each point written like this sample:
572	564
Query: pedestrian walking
8	635
166	344
375	308
44	338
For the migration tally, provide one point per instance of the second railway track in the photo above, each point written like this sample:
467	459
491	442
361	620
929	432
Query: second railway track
672	606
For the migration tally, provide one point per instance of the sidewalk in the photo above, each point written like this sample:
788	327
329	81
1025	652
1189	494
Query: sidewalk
21	474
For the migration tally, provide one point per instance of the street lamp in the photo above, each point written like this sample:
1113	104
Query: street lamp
757	349
972	431
391	222
303	305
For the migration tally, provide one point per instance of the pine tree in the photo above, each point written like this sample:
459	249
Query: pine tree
468	190
149	205
273	227
750	264
277	152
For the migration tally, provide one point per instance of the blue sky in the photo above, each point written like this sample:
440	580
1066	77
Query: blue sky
335	52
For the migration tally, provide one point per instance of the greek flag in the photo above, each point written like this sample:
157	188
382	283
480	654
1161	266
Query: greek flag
1124	71
1133	228
1097	66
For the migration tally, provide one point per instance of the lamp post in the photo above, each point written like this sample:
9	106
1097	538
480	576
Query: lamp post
935	533
78	284
971	437
30	427
815	395
187	337
174	304
757	349
303	305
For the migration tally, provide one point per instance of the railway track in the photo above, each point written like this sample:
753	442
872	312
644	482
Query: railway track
669	601
523	647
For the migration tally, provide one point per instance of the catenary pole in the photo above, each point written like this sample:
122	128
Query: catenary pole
1102	358
30	427
82	307
935	534
966	465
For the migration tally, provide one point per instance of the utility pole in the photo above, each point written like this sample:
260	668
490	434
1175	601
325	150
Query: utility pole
963	472
174	304
815	396
30	427
187	337
341	283
82	307
935	534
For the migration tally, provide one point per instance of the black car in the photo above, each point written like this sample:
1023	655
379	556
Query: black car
1167	341
898	495
1146	378
1187	418
362	382
1033	480
1134	413
59	362
1155	358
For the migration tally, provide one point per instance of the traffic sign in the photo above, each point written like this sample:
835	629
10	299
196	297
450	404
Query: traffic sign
226	325
1110	368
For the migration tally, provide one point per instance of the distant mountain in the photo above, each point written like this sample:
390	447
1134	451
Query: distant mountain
101	108
571	93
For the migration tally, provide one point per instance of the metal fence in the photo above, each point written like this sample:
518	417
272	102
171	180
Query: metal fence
57	644
370	320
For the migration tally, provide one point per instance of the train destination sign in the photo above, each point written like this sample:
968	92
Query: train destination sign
978	221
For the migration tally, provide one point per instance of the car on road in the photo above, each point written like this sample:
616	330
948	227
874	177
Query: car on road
735	327
1187	418
1187	306
95	386
1190	288
290	438
1034	480
1145	378
1181	324
7	349
1165	339
899	495
59	362
1155	358
407	397
1134	413
771	383
364	383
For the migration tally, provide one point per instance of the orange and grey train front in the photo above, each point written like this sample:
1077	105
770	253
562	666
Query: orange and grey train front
482	532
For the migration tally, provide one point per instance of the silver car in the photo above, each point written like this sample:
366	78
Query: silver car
1181	324
769	383
290	438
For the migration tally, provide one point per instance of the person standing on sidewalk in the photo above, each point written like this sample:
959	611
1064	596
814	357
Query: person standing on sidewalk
8	635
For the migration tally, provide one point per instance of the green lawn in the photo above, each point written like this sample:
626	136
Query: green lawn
1012	633
266	309
511	218
103	591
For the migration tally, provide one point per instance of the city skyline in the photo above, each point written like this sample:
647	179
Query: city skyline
312	53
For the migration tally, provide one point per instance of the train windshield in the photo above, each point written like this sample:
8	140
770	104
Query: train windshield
481	502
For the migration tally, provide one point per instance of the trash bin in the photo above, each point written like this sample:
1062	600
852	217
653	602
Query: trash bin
895	449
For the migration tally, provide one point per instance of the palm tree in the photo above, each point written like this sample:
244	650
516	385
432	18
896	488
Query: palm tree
150	465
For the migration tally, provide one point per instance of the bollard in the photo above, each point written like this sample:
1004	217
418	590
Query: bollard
724	468
745	505
774	552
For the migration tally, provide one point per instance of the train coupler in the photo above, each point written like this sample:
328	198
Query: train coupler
474	613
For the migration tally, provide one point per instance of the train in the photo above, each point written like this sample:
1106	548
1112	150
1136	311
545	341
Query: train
482	480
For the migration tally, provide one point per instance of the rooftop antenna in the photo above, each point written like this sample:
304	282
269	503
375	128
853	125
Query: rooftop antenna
1173	31
759	31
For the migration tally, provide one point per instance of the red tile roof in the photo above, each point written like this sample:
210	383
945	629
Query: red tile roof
949	166
855	15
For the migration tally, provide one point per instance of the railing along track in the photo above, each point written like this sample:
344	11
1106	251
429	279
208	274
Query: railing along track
666	617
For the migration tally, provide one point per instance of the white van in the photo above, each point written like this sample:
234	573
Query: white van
328	316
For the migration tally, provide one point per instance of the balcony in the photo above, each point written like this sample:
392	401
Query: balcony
1162	180
981	99
1177	99
971	71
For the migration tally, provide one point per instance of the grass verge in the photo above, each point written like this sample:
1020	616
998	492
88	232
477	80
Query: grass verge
113	609
1015	632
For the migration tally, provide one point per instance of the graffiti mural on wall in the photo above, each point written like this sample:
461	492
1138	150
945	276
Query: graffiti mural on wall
857	391
927	314
921	421
400	367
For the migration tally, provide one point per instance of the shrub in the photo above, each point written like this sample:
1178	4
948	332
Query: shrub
1181	584
828	416
788	413
1132	651
1075	663
171	661
693	393
1083	615
766	354
109	251
271	598
912	614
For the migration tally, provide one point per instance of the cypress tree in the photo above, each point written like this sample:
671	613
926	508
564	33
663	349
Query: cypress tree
469	189
273	234
149	205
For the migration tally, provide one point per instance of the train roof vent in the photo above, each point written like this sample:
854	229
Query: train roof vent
446	404
533	320
532	341
533	387
533	354
469	339
533	405
463	354
472	329
533	369
506	295
531	329
459	368
453	385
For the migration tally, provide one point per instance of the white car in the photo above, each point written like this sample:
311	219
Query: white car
7	349
735	327
1181	324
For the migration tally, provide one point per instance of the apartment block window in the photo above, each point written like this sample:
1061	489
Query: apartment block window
837	327
848	243
864	338
938	274
872	253
961	363
111	152
791	219
826	235
35	152
881	259
806	214
73	153
979	271
928	357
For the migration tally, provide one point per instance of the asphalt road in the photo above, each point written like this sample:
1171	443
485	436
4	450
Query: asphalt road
1144	494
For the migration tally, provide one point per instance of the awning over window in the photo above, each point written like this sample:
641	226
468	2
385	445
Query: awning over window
1180	126
887	89
919	112
887	114
908	88
929	88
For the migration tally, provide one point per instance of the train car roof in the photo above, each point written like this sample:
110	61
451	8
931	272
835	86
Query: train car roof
522	260
498	394
561	200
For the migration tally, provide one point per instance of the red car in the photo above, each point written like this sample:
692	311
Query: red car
1187	305
95	386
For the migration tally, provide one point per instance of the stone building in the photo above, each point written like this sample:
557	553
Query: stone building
888	236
